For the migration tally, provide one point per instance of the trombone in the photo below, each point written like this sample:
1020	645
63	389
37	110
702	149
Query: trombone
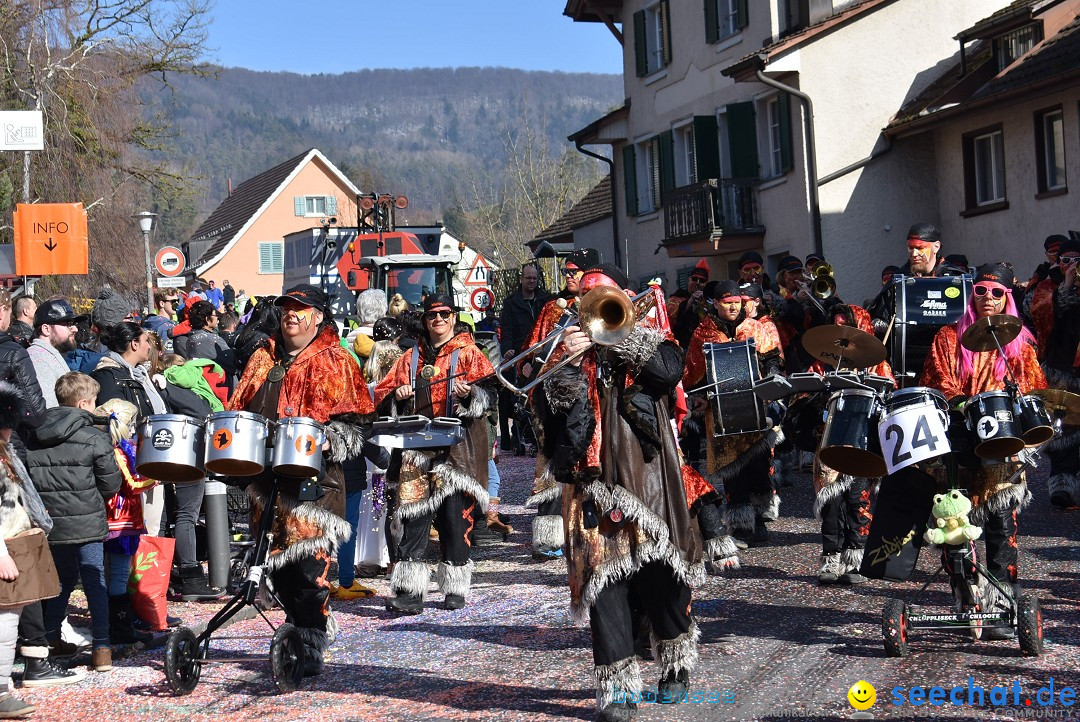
822	286
605	314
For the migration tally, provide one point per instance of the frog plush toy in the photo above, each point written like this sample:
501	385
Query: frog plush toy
951	520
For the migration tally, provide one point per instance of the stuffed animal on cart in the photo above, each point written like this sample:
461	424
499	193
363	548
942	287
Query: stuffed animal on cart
950	512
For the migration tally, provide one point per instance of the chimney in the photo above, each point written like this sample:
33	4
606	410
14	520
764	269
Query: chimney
230	188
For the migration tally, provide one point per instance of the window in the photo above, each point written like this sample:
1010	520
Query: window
1050	149
1014	44
778	135
984	168
682	276
652	38
741	141
724	18
685	160
648	175
271	257
315	205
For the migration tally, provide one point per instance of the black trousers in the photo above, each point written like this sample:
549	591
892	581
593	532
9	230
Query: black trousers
552	507
711	519
845	519
32	626
662	598
506	412
453	520
1002	556
188	503
755	479
303	589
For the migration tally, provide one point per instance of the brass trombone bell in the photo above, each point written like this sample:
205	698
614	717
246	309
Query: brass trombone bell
824	284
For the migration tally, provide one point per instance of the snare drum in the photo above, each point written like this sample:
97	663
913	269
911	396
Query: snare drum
849	443
1035	420
298	446
170	449
915	426
236	443
991	417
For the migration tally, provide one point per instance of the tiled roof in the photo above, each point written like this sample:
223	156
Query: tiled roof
236	210
594	206
1019	8
1057	55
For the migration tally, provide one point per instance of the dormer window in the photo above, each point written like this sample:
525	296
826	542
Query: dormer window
1014	44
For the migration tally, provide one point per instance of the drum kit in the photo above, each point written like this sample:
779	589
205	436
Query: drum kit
180	449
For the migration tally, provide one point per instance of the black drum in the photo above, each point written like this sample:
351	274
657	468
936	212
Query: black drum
731	370
921	307
991	418
849	443
1035	420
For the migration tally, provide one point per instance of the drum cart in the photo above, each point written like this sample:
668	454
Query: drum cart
187	651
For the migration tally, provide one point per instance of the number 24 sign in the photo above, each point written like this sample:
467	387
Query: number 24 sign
912	436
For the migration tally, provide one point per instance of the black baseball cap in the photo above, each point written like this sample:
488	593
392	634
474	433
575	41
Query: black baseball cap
751	257
56	312
1054	241
306	294
790	263
752	291
996	273
439	302
725	289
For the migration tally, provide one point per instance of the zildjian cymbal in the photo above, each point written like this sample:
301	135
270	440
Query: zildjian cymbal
979	336
1061	402
844	346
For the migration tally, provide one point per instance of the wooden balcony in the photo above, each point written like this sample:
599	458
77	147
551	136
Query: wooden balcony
713	217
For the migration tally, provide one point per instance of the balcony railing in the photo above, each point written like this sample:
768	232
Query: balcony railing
713	206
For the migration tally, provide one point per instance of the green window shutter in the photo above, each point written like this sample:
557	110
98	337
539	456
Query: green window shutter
298	205
787	161
265	259
641	53
667	163
706	147
742	140
712	22
331	205
277	256
665	35
629	165
744	13
654	142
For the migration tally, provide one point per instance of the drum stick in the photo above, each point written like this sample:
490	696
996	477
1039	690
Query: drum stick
889	329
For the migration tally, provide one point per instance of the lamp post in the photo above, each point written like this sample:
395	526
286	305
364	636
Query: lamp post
146	224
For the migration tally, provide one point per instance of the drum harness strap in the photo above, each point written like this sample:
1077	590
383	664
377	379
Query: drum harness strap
449	388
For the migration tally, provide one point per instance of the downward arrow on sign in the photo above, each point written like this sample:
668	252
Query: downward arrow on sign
50	245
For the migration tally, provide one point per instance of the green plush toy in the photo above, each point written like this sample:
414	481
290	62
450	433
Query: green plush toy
951	518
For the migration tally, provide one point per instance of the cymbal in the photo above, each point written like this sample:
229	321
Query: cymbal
844	346
1059	401
979	336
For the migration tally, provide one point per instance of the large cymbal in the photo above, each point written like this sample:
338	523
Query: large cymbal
844	346
1061	402
980	335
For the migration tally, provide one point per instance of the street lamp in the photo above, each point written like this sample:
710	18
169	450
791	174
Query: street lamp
146	224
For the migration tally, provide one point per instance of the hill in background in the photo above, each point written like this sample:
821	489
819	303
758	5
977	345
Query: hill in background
422	133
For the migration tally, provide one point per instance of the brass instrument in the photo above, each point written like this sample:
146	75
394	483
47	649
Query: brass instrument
823	285
605	314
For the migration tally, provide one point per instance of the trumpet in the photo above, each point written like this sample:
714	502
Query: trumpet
823	285
605	314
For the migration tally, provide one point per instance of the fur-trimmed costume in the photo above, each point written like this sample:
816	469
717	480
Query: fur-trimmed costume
445	483
1061	364
740	464
322	382
606	431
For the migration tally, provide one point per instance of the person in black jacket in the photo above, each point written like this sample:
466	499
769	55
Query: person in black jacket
263	323
519	313
75	472
204	341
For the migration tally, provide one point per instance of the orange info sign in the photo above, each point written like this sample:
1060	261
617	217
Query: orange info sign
51	239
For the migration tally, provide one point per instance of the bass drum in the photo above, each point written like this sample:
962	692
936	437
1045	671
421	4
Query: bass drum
849	443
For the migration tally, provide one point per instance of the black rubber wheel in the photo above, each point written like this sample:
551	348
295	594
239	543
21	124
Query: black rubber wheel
894	628
183	663
287	658
1029	627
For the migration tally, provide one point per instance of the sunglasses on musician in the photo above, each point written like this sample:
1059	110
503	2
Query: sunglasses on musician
996	293
750	269
1068	260
432	315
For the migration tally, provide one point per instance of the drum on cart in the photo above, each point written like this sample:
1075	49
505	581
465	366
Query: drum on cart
992	418
298	447
1035	420
914	428
731	370
849	443
170	449
236	443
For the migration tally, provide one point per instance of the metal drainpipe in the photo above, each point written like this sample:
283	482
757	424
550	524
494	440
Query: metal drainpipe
614	198
811	154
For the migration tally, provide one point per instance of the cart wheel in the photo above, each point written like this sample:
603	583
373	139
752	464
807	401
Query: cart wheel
1029	625
287	658
894	628
182	661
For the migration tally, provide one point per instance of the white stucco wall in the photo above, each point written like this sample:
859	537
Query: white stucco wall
1015	234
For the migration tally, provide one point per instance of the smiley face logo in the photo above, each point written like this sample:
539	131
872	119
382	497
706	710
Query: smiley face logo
862	695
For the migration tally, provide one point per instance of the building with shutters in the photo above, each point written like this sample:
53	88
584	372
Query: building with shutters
711	158
242	241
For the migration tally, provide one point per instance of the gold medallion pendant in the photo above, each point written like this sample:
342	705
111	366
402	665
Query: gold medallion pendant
277	373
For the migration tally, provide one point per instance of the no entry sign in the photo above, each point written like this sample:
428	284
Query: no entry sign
170	261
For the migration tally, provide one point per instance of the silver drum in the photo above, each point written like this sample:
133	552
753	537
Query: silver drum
236	443
298	447
170	449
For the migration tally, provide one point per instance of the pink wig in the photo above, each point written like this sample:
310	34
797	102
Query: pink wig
964	365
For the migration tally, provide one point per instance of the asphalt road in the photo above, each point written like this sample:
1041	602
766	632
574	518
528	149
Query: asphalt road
775	645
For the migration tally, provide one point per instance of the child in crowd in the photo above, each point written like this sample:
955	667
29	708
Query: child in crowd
74	470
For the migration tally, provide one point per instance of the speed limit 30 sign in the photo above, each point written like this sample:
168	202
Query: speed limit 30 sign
481	299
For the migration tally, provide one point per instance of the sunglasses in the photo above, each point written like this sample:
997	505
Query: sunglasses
432	315
1068	260
750	269
571	272
995	293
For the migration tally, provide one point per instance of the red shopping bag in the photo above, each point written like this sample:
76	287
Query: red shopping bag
148	584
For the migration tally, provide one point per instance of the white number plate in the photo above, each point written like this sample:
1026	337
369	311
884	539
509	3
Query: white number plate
911	435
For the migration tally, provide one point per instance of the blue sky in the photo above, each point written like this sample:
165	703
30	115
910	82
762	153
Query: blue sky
334	36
